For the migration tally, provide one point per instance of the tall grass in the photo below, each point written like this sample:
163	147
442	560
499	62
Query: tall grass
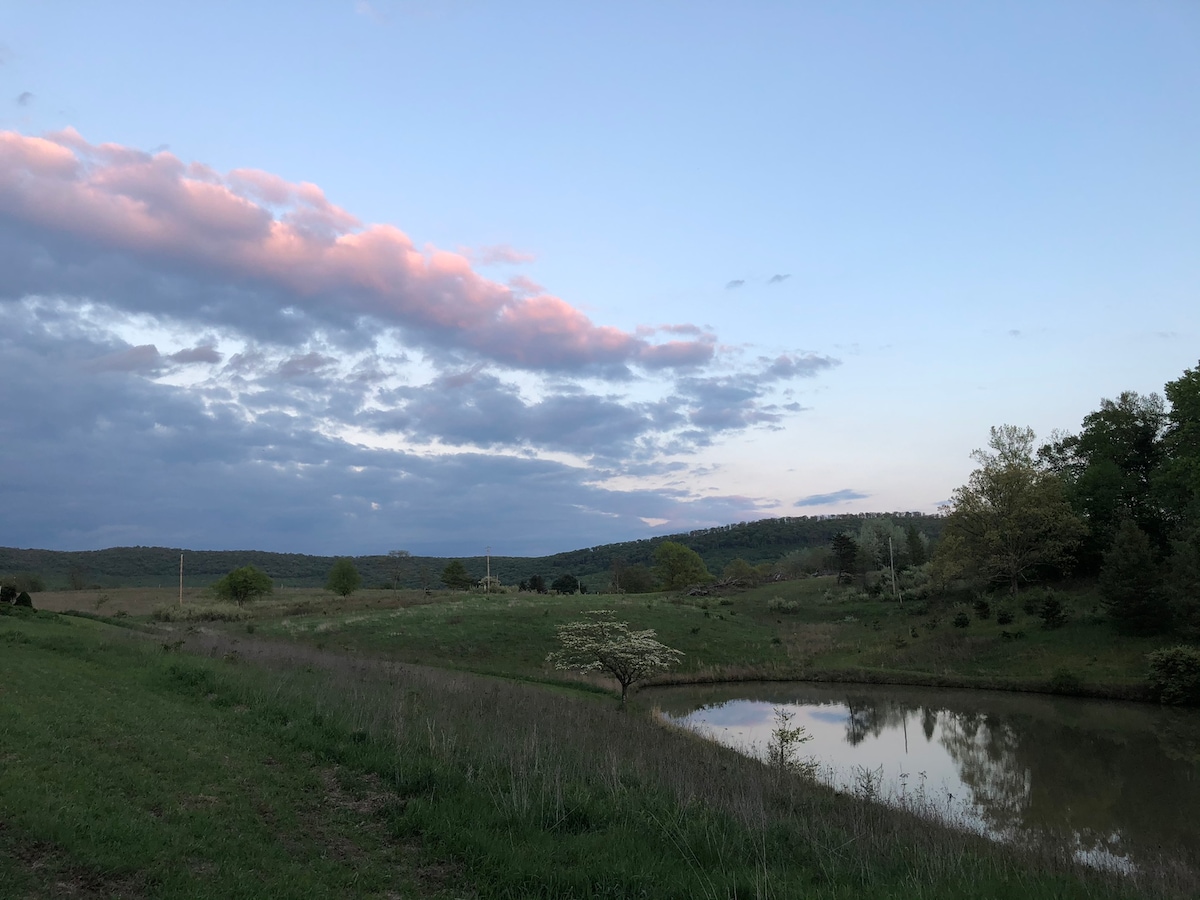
541	794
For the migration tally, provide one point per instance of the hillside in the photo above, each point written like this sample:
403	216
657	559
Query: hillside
760	541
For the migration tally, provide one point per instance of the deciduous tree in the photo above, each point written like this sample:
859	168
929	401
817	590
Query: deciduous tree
677	566
243	584
1012	516
602	644
565	584
398	563
343	578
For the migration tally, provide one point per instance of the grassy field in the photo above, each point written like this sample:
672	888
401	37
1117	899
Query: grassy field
808	628
247	767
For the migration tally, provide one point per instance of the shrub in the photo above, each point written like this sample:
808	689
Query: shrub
1064	681
8	593
962	620
779	605
212	612
1004	616
1053	613
983	609
1175	675
23	599
1032	604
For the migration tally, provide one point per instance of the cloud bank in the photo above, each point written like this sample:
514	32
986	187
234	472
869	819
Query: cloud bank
209	358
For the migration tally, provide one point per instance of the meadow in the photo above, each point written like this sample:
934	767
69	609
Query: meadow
807	629
206	760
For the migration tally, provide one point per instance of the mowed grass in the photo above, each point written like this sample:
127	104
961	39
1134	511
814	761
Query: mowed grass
273	769
125	775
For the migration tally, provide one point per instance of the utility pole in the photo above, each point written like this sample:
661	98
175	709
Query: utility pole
487	584
181	579
892	565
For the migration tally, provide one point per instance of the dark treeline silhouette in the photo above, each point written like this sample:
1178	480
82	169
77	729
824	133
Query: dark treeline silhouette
765	540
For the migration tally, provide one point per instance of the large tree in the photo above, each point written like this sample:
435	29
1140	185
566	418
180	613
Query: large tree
343	578
845	556
455	576
1108	467
1178	481
398	563
677	566
1012	517
243	584
1131	583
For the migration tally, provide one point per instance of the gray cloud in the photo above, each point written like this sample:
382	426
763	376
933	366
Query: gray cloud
777	279
843	496
24	98
736	283
129	461
204	353
477	380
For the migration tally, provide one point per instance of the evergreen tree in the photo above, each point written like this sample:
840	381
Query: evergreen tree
916	547
455	576
1131	584
845	554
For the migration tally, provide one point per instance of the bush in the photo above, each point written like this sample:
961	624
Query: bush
1064	681
211	612
8	593
1053	613
1004	616
779	605
983	609
1175	675
1032	604
962	620
23	599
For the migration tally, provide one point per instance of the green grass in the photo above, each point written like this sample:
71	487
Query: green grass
275	769
808	628
512	634
126	774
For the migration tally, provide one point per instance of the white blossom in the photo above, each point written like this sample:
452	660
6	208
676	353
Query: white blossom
602	644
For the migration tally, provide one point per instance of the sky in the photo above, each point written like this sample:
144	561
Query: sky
347	277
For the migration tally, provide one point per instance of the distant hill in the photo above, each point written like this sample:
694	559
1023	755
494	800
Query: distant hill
764	540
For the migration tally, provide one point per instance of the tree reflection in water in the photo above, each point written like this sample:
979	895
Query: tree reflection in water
1118	780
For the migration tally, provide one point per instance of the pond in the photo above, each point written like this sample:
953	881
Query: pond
1120	782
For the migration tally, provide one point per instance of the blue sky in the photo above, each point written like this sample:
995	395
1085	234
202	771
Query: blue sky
345	277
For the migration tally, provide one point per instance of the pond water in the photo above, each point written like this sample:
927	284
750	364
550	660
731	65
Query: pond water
1120	782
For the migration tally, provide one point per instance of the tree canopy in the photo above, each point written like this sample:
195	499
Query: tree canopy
343	578
455	576
677	566
1012	517
602	644
242	584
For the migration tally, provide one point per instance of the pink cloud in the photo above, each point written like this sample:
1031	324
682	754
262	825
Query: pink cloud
252	227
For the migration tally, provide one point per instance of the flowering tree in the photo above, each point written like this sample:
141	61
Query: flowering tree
602	644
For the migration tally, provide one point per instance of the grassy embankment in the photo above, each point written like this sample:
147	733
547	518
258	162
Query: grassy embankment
276	769
806	629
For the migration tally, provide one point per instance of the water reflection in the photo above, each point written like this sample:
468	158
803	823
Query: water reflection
1121	781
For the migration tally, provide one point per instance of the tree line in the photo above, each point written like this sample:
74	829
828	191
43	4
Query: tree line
1118	501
